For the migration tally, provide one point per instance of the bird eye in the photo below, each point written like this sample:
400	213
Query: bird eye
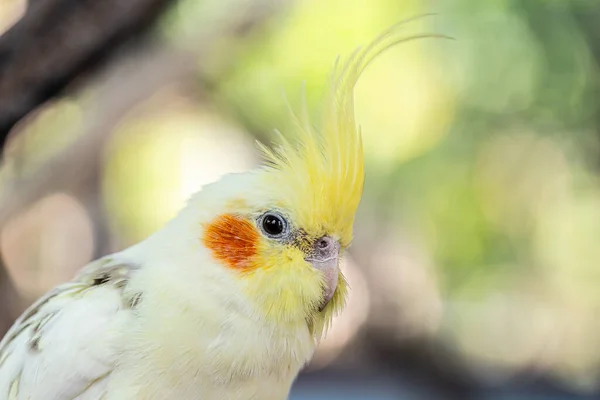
273	225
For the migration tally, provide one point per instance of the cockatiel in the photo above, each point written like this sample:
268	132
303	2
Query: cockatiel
228	300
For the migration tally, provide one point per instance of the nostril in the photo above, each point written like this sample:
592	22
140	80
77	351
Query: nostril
325	248
323	244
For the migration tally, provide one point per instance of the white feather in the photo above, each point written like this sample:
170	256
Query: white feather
63	343
192	334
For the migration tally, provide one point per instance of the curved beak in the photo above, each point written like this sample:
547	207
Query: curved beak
329	269
325	258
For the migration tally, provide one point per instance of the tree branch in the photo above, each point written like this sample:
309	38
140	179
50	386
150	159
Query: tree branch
57	41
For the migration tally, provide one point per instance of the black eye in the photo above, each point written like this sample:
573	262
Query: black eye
274	225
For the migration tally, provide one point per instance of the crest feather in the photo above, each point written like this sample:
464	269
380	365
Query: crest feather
320	175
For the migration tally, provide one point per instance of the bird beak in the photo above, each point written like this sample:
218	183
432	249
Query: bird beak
325	259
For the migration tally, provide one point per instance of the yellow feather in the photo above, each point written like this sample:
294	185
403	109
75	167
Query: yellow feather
318	179
320	176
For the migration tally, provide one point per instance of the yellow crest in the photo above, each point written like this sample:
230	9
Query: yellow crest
320	175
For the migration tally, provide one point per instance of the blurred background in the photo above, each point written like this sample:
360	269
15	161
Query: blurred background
475	270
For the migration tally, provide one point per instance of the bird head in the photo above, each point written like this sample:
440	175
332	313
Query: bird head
281	229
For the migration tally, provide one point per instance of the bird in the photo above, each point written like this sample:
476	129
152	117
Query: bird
230	298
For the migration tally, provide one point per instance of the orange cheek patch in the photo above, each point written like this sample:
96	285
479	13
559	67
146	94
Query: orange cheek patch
233	240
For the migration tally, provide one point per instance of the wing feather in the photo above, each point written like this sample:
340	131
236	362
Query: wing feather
65	345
